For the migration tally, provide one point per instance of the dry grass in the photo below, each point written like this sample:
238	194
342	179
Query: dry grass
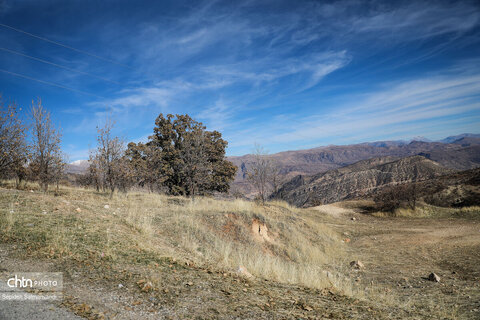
424	210
295	249
302	247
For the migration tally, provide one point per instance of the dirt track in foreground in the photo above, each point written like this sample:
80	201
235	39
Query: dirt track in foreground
400	253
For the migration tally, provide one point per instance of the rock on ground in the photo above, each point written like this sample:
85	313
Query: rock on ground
434	277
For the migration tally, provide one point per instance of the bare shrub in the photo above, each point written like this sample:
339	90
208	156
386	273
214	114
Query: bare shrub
394	197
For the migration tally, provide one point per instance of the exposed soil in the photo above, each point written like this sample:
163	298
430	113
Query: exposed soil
400	253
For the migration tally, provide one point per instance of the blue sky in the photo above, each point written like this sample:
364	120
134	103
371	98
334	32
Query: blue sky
287	75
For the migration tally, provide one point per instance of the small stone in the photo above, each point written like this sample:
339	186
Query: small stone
357	264
78	210
148	286
244	272
106	206
120	286
354	219
189	283
434	277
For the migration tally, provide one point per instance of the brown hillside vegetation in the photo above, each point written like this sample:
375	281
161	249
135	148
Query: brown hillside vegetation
361	179
149	256
452	190
461	154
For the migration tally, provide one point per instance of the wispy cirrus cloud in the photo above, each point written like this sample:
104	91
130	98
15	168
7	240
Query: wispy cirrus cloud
396	109
216	45
418	20
285	74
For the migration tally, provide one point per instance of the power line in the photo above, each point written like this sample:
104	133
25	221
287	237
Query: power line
65	46
50	83
57	65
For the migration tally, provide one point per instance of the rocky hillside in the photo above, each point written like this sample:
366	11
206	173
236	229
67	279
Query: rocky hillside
357	180
458	189
460	154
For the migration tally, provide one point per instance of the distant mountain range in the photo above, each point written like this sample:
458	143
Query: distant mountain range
456	153
460	152
452	139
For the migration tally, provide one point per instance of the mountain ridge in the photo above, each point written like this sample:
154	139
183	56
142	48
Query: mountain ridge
361	179
461	155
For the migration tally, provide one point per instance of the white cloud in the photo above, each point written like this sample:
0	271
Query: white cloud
228	59
419	20
397	106
143	97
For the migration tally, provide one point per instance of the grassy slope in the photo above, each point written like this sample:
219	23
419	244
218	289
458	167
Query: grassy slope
175	257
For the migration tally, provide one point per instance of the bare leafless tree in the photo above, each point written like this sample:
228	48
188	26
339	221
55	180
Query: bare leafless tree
46	158
94	176
58	169
262	172
13	146
106	157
